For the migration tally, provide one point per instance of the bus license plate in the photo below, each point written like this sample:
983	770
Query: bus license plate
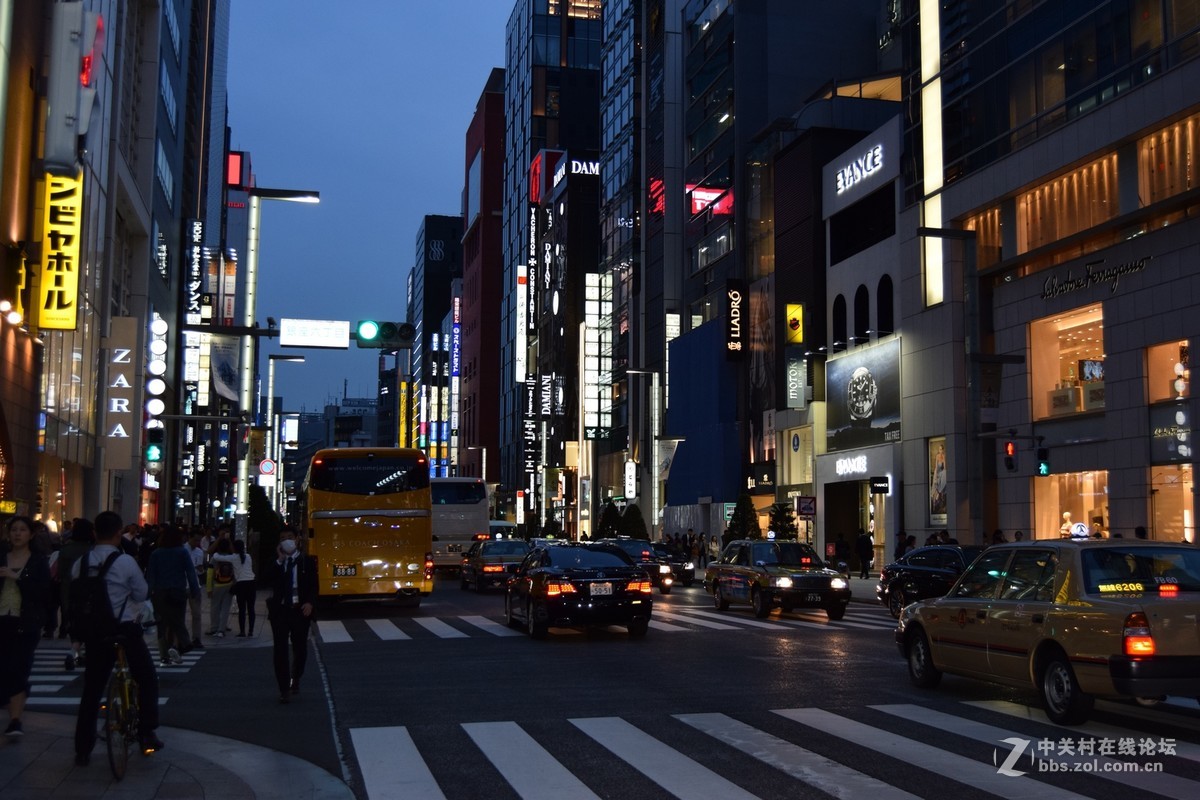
601	588
345	570
812	597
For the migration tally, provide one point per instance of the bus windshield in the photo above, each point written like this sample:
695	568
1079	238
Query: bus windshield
460	517
455	493
369	475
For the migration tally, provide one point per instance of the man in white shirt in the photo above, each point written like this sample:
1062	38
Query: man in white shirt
127	591
198	553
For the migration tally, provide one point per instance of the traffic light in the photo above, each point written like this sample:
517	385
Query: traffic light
155	440
384	335
1010	456
1043	461
71	84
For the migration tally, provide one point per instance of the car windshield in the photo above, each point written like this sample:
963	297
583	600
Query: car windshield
585	557
635	547
664	551
1141	569
505	548
792	554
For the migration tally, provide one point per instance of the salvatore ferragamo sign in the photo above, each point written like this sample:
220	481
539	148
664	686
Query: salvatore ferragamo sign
1094	272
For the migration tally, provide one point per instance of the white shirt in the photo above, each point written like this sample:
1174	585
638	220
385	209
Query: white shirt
242	571
127	588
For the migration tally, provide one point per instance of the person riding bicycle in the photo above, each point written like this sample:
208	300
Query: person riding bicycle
127	591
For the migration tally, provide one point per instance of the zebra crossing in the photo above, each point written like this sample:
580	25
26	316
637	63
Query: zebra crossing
52	685
666	619
910	751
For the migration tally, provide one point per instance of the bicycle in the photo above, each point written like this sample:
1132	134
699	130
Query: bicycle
120	712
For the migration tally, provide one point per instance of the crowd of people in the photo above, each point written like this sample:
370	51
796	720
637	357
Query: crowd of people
154	576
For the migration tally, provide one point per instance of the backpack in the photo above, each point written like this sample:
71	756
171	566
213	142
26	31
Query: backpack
91	613
222	571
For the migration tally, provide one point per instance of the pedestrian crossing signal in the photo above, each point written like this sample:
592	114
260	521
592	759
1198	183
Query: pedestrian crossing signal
1043	461
1010	456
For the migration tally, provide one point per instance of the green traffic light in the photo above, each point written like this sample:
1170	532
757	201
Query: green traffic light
153	453
1043	468
368	330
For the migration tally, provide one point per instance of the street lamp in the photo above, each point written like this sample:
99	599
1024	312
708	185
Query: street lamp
255	196
655	435
272	437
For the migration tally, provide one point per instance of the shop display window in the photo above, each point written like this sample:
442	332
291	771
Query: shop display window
1167	372
1172	509
1068	204
1071	503
1067	368
1167	161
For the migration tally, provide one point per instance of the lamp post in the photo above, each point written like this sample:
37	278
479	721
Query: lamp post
655	435
272	438
255	196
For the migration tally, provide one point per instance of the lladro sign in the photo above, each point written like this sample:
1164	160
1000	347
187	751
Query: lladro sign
735	318
858	170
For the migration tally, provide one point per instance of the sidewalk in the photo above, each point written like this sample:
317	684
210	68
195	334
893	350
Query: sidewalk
192	765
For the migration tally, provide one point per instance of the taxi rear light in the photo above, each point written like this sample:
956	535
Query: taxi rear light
1138	640
555	588
639	586
480	537
493	568
1168	588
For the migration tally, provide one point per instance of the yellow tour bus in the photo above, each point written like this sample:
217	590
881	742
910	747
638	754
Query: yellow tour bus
367	514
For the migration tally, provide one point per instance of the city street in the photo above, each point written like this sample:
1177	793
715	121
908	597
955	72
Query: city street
445	700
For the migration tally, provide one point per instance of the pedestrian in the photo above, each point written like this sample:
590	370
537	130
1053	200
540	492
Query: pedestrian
841	552
864	548
127	592
244	588
48	543
1019	536
998	537
220	587
1140	532
83	537
171	579
24	590
196	601
293	577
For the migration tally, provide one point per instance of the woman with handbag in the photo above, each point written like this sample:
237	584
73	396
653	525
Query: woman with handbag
24	588
171	578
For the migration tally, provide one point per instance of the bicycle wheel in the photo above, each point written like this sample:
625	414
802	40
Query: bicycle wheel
116	726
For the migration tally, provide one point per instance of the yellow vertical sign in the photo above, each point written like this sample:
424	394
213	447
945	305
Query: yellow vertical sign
795	323
58	291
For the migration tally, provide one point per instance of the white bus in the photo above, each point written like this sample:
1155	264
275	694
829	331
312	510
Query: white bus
460	516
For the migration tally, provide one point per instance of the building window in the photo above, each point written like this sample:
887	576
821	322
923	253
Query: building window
884	303
1168	372
1172	509
1068	204
988	241
862	316
839	324
1071	503
1167	161
1067	353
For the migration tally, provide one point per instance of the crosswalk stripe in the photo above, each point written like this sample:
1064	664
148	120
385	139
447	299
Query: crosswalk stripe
826	622
670	769
43	688
666	627
1157	782
965	770
1097	729
1147	714
391	765
494	628
65	677
812	768
532	772
386	629
439	629
333	631
704	620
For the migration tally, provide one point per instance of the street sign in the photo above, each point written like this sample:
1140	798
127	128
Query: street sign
728	509
266	466
806	506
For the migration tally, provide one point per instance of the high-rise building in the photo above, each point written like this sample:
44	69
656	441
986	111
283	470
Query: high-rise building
551	102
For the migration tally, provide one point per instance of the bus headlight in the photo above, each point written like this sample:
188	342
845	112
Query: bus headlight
414	567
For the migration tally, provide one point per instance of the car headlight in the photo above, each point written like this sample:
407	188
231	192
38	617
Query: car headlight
783	583
837	583
689	565
664	569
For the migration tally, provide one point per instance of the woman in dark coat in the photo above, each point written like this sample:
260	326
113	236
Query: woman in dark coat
24	596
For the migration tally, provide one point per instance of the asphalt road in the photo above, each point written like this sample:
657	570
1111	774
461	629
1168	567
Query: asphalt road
445	701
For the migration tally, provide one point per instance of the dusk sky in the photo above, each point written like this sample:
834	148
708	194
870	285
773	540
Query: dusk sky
367	104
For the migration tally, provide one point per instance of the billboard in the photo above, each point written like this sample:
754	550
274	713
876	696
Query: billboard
863	394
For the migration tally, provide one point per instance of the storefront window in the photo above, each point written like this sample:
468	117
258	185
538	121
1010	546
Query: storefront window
1067	205
1171	506
1167	161
1071	503
1067	369
988	239
1168	372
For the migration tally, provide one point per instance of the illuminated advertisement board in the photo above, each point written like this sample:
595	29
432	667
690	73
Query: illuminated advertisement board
705	198
863	394
122	415
794	324
58	294
736	319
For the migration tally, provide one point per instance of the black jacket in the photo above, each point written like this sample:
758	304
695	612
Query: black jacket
34	584
306	581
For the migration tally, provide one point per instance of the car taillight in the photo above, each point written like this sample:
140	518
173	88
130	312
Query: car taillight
493	568
554	588
639	586
1169	589
1138	641
428	565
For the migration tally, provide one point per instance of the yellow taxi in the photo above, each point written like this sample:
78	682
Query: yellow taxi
1073	619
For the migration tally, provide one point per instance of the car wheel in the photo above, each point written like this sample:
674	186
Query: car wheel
835	612
537	630
478	585
462	583
664	589
920	662
896	602
638	628
509	619
760	602
687	583
719	599
786	607
1066	703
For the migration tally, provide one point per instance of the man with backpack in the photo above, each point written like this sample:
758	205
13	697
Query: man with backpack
106	596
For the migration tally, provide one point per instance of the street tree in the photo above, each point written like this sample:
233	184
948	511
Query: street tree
783	521
744	522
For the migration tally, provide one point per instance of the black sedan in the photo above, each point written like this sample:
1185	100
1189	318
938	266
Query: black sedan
573	585
683	566
922	573
643	553
488	563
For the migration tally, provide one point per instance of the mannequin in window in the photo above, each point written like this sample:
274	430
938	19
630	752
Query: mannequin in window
1064	530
